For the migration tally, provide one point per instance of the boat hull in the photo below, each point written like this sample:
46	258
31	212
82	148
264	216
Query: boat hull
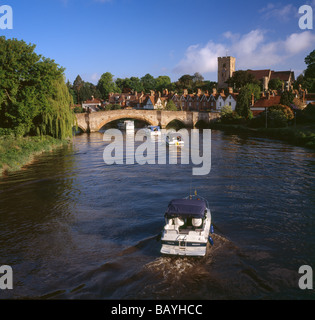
193	242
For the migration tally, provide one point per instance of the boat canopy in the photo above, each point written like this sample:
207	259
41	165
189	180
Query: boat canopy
154	128
186	208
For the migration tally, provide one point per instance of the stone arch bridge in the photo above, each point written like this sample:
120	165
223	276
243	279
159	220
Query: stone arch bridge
93	122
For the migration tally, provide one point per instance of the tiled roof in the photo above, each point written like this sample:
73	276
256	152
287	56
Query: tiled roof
282	75
260	74
92	101
265	102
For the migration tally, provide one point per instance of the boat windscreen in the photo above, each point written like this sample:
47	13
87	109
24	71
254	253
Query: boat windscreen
186	208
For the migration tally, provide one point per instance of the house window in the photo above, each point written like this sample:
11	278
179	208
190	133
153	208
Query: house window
230	104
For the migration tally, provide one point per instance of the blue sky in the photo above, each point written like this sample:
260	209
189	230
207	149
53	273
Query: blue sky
173	37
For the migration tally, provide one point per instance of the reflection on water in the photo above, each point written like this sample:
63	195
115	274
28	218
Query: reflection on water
73	227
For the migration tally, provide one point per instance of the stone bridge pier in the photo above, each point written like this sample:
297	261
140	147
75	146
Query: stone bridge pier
93	122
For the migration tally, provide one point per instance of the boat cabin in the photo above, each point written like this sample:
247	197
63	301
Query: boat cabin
185	214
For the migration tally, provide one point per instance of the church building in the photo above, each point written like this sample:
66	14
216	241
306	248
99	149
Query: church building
226	69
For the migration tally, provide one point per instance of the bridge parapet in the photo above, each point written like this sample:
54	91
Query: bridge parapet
94	121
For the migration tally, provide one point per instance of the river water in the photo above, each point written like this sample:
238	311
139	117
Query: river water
73	227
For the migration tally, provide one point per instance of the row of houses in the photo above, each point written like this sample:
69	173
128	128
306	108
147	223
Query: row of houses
200	101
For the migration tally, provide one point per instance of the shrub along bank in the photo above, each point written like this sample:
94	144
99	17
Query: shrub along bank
18	152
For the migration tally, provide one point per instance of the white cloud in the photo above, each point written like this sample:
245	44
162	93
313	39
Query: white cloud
299	42
283	12
201	59
251	50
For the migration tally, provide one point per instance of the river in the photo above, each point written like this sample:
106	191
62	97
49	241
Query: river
72	227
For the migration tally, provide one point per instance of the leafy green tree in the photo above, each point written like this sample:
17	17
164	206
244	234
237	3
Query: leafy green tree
77	85
185	82
244	100
310	59
287	98
148	82
135	84
129	84
275	84
88	90
34	98
307	81
162	82
241	78
170	106
106	85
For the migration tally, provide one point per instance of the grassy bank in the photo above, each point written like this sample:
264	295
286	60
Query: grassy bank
302	135
18	152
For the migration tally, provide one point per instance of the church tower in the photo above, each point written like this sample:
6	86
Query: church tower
226	68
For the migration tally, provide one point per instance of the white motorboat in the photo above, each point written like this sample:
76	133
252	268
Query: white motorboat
129	125
173	138
126	125
153	130
187	228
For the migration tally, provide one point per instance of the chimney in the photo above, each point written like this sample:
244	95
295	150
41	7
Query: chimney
214	91
253	99
263	94
136	94
159	94
152	93
185	92
199	92
230	90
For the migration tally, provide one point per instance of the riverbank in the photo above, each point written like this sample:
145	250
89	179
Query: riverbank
15	153
302	136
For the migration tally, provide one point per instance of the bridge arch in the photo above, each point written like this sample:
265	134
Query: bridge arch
177	122
119	117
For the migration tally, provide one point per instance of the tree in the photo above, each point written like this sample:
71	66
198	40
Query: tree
185	82
310	59
241	78
34	98
287	98
77	85
129	84
88	90
162	82
308	81
106	85
170	106
244	100
275	84
148	82
198	79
